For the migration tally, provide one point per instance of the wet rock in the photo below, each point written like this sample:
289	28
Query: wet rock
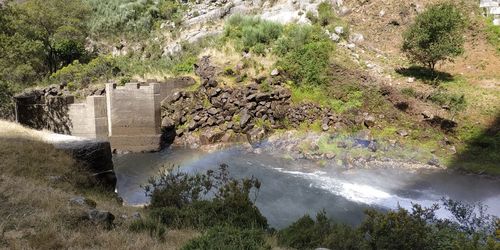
433	162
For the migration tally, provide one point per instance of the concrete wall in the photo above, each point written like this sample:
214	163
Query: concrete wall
89	119
134	118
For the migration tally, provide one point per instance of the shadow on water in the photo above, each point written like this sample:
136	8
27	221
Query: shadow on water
482	152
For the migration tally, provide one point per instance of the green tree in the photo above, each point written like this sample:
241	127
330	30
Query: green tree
436	35
59	25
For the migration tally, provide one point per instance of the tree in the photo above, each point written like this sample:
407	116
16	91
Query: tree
38	37
436	35
60	27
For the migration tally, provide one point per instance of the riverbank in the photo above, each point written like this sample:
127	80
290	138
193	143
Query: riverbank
48	201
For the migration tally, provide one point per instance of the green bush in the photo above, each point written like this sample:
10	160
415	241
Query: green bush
80	75
436	35
180	200
493	33
225	237
252	33
468	228
154	228
455	102
309	234
114	17
304	55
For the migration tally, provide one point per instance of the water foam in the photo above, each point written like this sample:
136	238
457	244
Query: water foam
357	192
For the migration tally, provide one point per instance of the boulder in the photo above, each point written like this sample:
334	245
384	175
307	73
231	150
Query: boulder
210	135
244	118
256	134
339	30
369	121
167	123
82	201
356	38
101	217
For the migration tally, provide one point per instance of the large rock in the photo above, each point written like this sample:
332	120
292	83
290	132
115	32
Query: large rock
244	118
96	155
211	135
256	135
101	217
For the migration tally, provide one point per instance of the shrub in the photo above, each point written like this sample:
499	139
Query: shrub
468	228
325	13
252	33
80	75
309	234
454	102
493	33
154	228
180	200
308	65
436	35
225	237
113	17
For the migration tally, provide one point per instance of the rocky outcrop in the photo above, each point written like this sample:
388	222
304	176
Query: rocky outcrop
227	114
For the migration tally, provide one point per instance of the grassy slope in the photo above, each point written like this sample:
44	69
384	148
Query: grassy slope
35	209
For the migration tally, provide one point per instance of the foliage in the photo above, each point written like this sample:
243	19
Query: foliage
469	228
80	75
131	16
436	35
39	37
455	102
154	228
493	33
252	33
304	55
225	237
204	200
6	102
59	25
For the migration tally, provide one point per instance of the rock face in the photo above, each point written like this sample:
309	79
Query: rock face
96	155
228	114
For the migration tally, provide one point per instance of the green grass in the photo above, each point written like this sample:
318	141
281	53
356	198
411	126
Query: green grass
320	96
493	33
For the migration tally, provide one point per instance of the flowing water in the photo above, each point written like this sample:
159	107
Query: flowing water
291	188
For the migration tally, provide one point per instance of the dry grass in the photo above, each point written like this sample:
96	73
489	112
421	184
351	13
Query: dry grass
36	183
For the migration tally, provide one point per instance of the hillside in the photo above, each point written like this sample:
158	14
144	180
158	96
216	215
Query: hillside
330	84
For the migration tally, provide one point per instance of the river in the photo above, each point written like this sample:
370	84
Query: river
293	188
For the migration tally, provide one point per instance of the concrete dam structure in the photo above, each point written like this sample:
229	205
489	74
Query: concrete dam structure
127	116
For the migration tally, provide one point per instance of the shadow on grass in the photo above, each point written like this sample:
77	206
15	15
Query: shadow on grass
425	74
482	153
